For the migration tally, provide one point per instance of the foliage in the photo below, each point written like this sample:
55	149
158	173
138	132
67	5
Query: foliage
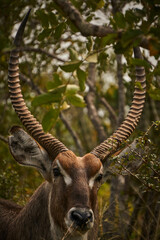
55	70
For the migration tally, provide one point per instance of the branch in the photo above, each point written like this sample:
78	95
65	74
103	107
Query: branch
86	29
92	111
73	134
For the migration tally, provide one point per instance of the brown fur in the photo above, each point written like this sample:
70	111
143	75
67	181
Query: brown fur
32	222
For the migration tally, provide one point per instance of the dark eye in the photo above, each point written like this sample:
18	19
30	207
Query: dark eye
99	177
56	172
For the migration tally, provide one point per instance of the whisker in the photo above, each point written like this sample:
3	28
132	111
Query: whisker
68	232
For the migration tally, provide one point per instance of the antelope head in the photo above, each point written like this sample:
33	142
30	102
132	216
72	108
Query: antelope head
73	181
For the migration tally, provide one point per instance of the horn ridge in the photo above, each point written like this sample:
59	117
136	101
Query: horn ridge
111	144
52	145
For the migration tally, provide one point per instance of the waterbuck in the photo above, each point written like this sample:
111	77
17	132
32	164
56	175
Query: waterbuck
65	205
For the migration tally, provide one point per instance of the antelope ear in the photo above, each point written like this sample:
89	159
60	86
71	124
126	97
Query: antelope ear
27	151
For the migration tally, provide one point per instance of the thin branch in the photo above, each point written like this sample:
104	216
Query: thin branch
112	114
3	139
121	95
37	50
90	98
29	81
73	134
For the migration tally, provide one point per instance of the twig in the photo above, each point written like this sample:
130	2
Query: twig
73	134
109	108
29	81
121	95
3	139
92	111
37	50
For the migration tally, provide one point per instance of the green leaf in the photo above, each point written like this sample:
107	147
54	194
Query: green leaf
130	17
82	78
76	100
109	39
52	19
46	98
59	30
71	89
100	4
71	66
120	20
140	62
50	119
44	34
139	85
50	97
129	36
55	83
155	94
60	89
43	17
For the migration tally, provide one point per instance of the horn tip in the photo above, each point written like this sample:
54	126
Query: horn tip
18	37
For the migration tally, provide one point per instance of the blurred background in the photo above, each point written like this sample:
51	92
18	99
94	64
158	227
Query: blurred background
79	84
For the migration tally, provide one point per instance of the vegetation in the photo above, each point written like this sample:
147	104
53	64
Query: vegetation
78	80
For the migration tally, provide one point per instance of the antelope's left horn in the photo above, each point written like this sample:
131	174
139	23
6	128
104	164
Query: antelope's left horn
129	124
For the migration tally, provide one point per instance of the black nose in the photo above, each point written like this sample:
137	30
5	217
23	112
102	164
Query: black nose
81	217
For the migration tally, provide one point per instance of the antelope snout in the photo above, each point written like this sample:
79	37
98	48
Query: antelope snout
81	219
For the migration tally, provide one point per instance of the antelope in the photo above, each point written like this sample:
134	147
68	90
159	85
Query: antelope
65	205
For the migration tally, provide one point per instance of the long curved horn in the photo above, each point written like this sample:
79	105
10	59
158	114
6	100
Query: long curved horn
51	144
129	124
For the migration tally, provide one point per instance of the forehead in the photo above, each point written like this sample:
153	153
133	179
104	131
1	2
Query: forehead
70	162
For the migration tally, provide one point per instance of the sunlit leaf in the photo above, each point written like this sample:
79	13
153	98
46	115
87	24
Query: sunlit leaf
65	106
92	58
71	89
73	54
76	100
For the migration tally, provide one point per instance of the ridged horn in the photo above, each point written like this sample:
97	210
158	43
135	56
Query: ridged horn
111	144
47	141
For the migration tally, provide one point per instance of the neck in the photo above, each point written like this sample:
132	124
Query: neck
32	222
35	222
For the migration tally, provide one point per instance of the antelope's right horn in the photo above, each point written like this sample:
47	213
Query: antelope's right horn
50	144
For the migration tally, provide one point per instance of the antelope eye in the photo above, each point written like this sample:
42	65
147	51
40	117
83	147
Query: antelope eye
56	172
99	177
